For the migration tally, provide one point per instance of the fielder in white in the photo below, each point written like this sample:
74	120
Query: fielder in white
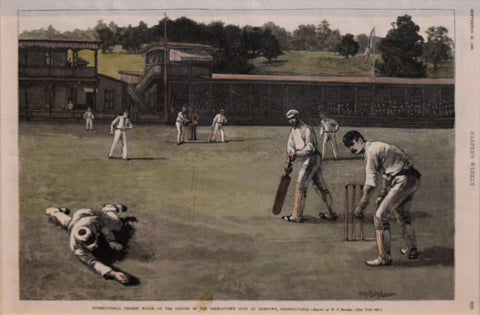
120	125
400	181
328	128
217	126
85	227
180	123
302	146
88	116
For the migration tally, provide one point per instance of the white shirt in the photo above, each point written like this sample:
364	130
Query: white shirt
328	125
383	158
182	117
98	225
121	123
302	140
88	114
220	119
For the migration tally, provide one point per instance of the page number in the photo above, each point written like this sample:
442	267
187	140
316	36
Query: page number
472	306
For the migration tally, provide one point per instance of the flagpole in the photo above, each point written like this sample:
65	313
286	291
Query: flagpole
165	78
373	57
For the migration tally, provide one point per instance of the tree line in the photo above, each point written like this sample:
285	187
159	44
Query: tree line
404	53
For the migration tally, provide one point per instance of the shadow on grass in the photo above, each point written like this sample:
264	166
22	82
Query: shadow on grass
316	220
132	280
109	256
147	159
276	63
433	256
344	158
212	142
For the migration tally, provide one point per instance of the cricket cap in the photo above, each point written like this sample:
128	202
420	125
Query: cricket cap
85	237
292	113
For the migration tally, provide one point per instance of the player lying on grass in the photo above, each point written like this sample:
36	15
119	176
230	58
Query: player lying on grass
87	229
400	181
302	146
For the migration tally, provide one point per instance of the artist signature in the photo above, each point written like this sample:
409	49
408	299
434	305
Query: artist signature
376	294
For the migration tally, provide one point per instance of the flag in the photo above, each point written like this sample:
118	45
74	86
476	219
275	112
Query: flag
369	48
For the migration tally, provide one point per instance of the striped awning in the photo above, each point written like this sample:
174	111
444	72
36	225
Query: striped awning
190	55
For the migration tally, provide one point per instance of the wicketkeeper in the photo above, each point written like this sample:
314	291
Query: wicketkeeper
302	146
400	181
85	228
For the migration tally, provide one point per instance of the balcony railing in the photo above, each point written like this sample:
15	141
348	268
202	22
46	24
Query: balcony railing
57	72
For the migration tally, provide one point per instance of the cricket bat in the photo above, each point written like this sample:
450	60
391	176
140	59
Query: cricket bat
210	134
282	188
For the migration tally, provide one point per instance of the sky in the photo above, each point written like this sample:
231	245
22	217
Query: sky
347	21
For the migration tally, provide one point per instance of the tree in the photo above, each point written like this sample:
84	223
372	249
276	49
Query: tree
270	46
362	40
284	38
438	48
106	35
230	61
252	42
347	47
305	38
328	39
228	54
214	34
402	49
133	38
183	30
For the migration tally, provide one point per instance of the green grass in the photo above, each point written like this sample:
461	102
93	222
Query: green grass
322	63
111	64
205	226
315	63
444	71
312	63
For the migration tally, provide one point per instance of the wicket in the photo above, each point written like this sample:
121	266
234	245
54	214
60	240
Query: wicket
353	187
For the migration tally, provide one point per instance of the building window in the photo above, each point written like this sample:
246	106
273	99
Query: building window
109	100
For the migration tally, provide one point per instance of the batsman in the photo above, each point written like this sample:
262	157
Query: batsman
400	181
302	147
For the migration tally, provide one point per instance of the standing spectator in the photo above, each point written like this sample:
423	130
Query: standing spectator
217	126
180	123
88	116
120	124
328	129
302	146
192	127
69	105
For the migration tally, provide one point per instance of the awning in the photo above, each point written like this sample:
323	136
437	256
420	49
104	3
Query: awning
190	55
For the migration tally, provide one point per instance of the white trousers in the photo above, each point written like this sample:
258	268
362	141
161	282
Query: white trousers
310	171
329	137
119	135
218	128
399	197
88	124
180	132
111	218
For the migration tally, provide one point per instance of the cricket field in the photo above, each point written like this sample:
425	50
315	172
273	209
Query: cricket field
202	223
